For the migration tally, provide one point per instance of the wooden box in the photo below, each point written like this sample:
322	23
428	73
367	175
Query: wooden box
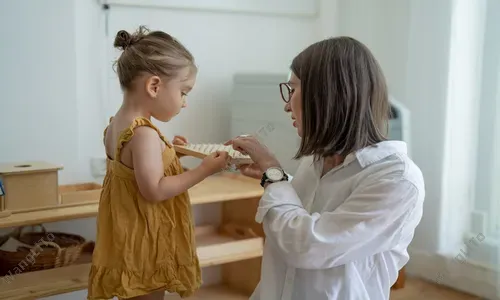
83	193
29	186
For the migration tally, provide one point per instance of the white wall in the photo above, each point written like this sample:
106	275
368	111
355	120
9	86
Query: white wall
426	96
464	84
411	41
488	112
55	100
384	27
38	83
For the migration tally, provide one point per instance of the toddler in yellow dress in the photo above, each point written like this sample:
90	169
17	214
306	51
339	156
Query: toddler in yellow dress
145	234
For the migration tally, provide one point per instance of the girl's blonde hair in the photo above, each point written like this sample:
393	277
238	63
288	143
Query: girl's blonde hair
155	52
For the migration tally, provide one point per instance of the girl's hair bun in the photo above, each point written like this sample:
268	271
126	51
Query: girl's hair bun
123	39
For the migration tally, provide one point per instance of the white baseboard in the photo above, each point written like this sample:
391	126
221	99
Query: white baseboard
466	276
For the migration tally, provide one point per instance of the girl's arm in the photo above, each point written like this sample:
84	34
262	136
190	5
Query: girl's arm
149	171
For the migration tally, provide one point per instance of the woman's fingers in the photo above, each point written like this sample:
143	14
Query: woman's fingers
246	144
236	143
238	147
242	152
251	170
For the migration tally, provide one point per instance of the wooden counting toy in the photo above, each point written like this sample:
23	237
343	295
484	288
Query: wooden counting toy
202	150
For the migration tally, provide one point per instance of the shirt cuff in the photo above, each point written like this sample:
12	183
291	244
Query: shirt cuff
277	194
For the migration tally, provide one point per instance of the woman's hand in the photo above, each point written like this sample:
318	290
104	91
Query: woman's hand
181	141
259	153
251	170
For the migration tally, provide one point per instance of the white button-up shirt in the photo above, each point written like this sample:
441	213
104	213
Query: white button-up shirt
343	236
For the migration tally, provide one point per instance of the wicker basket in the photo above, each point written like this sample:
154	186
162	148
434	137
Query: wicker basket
49	250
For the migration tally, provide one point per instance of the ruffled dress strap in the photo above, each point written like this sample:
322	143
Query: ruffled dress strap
128	133
106	130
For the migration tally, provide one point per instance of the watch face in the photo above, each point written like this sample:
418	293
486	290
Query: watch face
274	174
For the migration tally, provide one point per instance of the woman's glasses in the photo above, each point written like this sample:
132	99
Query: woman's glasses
286	91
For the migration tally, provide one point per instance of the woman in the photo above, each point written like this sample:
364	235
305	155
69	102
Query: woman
340	229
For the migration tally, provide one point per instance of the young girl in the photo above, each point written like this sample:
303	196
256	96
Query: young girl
145	236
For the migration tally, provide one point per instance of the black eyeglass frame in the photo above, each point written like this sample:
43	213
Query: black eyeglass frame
288	91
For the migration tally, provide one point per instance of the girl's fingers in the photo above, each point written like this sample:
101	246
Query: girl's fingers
179	140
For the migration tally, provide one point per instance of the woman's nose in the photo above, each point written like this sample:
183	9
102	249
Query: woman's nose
288	107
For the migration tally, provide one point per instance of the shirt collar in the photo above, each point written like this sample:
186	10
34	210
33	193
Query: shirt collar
379	151
370	154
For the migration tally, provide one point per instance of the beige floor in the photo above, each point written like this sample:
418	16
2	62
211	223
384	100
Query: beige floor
416	289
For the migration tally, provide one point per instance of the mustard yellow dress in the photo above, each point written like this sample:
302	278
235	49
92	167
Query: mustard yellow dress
142	246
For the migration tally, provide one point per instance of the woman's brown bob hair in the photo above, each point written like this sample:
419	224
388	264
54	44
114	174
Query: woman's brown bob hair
345	104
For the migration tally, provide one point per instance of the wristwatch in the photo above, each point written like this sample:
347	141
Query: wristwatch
273	174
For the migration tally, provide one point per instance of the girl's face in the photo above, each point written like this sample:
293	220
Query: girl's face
295	104
171	95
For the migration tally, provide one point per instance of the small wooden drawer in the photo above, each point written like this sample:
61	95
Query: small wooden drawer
83	193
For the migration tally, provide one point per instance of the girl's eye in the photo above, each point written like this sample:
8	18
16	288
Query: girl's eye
183	94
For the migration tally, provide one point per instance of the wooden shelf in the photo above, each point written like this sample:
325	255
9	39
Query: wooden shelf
216	188
219	292
225	187
214	248
34	285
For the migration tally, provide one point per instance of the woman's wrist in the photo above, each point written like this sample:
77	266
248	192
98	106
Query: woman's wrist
270	164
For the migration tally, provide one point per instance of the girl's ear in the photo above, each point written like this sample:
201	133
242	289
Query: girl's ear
153	86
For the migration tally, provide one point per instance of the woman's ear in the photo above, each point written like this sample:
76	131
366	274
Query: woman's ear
153	86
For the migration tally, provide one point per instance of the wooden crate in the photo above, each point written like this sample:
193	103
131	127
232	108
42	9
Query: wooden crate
83	193
29	186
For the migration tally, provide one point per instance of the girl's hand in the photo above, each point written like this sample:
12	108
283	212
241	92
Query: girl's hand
259	153
215	162
181	141
251	170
